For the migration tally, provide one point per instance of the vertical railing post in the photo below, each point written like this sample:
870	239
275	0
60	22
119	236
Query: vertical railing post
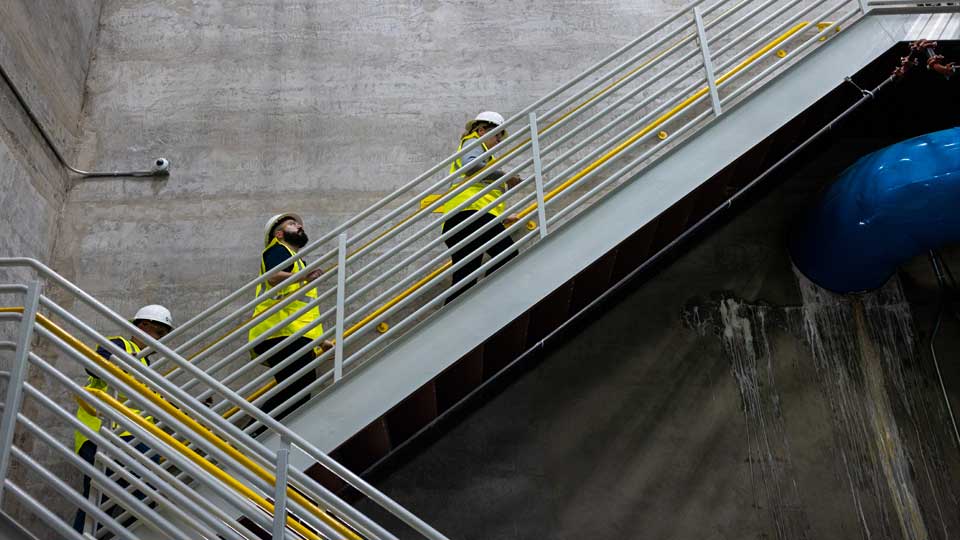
864	7
341	284
95	497
538	174
280	489
707	62
18	373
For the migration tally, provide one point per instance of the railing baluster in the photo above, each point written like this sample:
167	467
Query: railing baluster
341	285
707	62
538	172
280	490
14	397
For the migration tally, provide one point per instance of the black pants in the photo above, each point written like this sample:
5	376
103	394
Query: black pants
302	382
88	452
463	251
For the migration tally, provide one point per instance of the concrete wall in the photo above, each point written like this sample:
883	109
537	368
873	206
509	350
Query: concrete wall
45	49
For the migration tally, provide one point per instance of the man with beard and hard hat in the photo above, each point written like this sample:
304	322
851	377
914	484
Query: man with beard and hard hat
153	320
283	237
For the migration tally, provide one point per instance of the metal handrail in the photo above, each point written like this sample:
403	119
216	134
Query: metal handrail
140	464
272	384
236	436
358	520
122	470
732	10
130	383
227	453
434	205
226	478
446	162
807	44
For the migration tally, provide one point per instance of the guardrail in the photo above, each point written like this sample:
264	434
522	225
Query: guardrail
193	452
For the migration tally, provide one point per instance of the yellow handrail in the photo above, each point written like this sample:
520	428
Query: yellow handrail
599	93
204	432
248	319
259	392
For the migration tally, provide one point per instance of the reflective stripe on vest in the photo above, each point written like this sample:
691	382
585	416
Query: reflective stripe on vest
274	324
93	421
466	194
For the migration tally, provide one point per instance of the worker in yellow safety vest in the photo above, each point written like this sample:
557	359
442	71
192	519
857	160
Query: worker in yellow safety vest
283	237
485	205
154	320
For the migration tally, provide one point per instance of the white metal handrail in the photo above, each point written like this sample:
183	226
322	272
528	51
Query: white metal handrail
182	403
69	455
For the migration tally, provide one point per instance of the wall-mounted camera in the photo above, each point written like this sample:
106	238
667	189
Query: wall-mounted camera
161	166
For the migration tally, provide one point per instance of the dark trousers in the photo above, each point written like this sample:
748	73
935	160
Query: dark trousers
302	382
88	452
462	251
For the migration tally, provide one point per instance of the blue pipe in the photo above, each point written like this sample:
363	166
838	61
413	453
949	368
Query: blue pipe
885	209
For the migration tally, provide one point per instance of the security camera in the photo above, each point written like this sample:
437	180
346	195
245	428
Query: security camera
161	166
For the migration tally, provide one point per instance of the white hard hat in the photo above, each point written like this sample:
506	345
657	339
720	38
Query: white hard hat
491	117
155	313
272	222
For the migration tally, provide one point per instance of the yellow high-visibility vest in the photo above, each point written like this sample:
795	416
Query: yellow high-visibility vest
90	419
274	324
461	197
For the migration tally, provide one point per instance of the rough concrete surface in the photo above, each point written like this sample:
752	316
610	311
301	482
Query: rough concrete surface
45	49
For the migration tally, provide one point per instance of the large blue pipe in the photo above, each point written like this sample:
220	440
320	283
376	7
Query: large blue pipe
885	209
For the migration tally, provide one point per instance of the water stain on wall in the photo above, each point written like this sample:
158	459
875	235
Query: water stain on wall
889	431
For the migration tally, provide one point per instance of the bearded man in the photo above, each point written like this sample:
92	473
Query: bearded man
284	236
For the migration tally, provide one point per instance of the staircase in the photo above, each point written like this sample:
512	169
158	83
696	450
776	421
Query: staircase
619	166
